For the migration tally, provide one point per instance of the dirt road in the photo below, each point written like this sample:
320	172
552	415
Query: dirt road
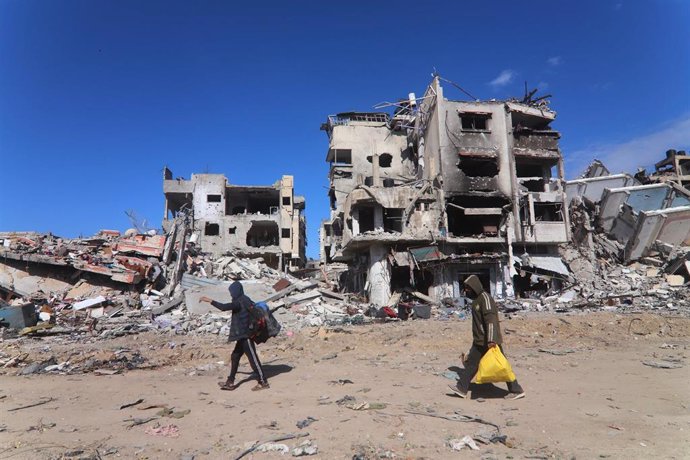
589	395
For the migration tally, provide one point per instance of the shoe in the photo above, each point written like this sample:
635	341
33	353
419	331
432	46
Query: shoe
456	391
261	386
513	396
229	385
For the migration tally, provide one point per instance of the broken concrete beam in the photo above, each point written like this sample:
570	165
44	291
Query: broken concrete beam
248	267
89	303
421	296
332	294
281	294
302	296
167	306
306	284
142	244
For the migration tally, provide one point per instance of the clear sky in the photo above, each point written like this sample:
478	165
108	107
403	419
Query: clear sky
97	96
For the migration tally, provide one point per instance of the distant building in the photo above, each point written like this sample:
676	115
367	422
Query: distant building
266	221
443	189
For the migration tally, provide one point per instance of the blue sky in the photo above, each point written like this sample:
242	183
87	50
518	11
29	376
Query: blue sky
97	96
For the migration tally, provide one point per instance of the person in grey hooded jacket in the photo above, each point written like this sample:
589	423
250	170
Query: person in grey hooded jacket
240	334
486	333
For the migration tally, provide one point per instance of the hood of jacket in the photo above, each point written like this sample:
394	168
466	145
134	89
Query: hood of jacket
236	290
475	284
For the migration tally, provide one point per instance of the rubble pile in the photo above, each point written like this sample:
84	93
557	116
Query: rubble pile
111	285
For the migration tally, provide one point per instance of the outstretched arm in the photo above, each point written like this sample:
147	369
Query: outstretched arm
231	306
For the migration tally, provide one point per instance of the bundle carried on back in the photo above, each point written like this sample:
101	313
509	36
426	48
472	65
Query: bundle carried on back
262	323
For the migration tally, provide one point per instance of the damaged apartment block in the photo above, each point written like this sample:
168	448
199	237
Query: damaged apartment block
443	189
640	215
250	221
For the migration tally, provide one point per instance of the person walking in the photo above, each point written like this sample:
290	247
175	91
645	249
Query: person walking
486	333
240	334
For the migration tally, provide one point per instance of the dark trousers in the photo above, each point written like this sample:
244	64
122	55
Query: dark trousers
246	347
472	365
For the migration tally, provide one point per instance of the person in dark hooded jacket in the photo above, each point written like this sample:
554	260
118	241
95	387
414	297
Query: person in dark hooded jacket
240	334
486	333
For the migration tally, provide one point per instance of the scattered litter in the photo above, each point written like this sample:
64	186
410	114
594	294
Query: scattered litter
366	406
556	352
273	447
167	431
451	375
459	444
305	448
306	422
125	406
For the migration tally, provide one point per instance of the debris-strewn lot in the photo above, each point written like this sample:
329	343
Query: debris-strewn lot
599	385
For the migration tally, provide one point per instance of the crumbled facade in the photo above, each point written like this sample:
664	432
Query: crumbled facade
641	214
443	189
251	221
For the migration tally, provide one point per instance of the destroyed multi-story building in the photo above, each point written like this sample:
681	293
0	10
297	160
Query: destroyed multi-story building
249	221
443	189
640	214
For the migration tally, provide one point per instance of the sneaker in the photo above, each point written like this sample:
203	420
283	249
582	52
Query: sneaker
457	392
261	386
513	396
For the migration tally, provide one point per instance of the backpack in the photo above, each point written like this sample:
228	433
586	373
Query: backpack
262	324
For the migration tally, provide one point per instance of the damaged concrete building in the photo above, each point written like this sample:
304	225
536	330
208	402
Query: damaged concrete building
442	189
640	215
250	221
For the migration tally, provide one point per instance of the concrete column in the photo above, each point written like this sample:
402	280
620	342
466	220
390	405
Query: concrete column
355	222
378	217
376	176
566	210
379	275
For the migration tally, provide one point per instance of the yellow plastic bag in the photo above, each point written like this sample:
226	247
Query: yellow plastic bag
494	368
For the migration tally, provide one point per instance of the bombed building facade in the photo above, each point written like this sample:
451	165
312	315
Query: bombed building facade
443	189
641	216
251	221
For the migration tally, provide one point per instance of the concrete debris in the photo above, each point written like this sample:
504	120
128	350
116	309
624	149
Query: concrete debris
459	444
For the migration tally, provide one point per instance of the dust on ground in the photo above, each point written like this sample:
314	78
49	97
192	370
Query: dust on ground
374	391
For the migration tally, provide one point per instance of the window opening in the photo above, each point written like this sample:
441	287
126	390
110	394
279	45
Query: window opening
211	229
392	220
262	234
478	167
461	224
548	212
366	219
474	121
385	160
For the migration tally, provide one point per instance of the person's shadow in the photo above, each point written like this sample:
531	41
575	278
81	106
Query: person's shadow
484	390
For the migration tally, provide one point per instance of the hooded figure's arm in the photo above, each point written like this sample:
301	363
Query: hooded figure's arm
231	306
489	318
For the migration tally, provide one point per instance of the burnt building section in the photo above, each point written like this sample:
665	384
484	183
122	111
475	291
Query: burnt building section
249	221
443	189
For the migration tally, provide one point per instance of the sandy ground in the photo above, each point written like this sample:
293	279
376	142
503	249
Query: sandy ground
599	401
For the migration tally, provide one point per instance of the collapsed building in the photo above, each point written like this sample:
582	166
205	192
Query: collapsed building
249	221
443	189
641	215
